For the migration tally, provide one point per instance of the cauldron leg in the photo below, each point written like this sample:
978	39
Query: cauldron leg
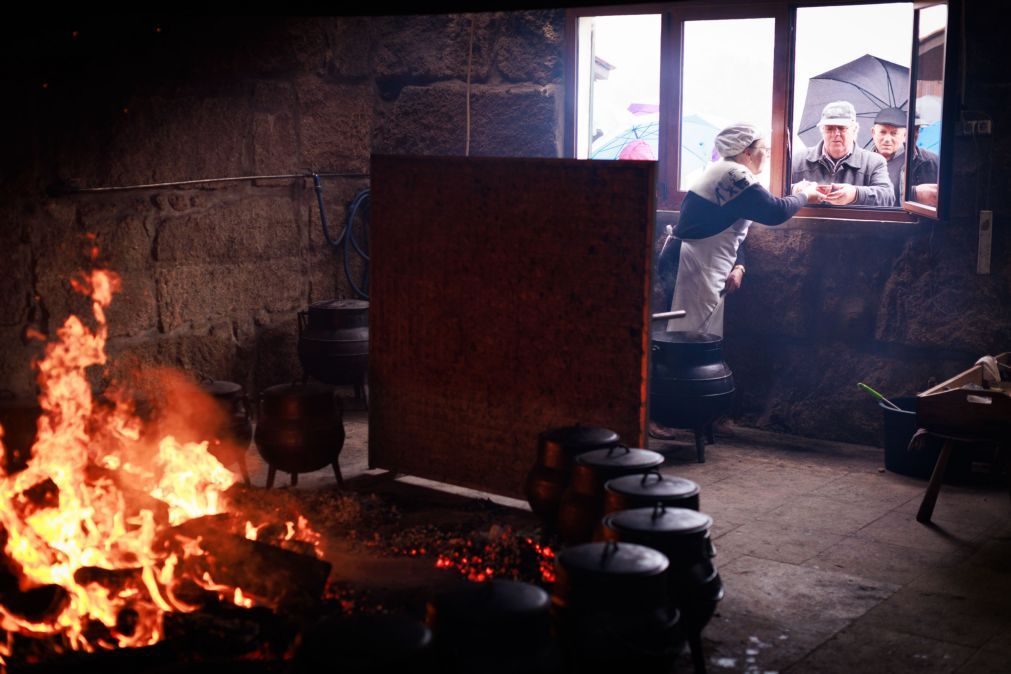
244	470
294	479
271	474
700	444
710	438
698	657
337	472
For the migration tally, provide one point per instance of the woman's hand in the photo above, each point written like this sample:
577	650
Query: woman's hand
734	279
809	189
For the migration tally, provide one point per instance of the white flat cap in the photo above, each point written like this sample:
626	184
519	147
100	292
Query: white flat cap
734	139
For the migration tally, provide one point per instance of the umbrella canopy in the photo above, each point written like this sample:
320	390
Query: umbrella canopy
641	141
869	83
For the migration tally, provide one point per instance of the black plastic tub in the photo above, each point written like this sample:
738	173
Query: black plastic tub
899	428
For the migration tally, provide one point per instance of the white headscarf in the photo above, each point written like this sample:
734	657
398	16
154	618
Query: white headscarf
735	139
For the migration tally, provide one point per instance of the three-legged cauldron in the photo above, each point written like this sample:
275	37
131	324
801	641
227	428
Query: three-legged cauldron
691	384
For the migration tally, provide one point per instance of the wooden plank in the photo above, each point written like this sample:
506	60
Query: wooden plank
508	296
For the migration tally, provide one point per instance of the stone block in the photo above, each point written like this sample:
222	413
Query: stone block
16	289
203	294
123	229
242	226
934	298
16	357
276	354
350	42
134	309
428	48
530	46
335	124
518	121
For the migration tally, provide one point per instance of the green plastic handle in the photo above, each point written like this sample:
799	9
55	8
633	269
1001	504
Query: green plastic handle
877	395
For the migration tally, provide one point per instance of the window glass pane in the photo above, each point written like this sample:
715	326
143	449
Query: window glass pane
858	54
726	78
618	87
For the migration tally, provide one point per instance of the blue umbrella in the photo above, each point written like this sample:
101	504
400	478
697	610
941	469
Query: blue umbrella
639	140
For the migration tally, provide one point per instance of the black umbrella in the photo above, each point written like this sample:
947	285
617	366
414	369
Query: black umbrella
869	83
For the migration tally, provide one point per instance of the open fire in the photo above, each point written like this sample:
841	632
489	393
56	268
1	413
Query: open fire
108	530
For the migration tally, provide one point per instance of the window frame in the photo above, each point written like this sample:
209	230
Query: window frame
673	16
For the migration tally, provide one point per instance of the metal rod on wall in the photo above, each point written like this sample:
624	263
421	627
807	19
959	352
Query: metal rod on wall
203	181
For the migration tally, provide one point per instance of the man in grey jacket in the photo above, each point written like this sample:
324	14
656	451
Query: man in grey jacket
848	174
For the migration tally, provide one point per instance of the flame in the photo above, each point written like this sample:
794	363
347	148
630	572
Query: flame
93	499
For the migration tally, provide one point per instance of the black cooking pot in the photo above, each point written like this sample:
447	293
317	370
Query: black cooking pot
611	609
365	644
682	535
299	427
557	450
648	489
19	418
496	626
236	429
333	341
582	503
691	383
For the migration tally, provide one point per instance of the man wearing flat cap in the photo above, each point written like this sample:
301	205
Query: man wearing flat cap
848	175
889	136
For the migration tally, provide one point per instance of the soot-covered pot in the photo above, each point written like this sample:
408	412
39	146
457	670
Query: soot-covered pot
299	429
557	449
236	428
648	489
333	341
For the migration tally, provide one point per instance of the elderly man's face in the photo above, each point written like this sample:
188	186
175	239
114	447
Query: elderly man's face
839	139
888	139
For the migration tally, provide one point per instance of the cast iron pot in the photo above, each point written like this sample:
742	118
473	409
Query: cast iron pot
682	535
583	502
19	418
691	383
299	427
236	430
333	341
611	609
557	450
496	626
360	644
648	489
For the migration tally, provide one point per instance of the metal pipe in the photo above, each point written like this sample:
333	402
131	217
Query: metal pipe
203	181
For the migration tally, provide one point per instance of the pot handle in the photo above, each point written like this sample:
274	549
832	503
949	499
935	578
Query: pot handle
651	471
659	510
710	548
610	450
610	548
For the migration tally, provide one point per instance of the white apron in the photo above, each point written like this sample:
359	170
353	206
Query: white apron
702	274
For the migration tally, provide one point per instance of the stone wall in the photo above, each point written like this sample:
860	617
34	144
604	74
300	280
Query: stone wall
214	274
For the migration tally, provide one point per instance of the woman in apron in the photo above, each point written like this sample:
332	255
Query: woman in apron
715	217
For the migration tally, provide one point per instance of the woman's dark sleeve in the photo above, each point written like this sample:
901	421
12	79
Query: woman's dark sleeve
757	204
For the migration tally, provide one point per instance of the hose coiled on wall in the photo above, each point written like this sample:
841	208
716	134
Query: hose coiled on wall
359	206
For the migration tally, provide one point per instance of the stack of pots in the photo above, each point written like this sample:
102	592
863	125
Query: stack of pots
299	429
19	418
611	609
499	627
691	384
682	535
557	450
333	342
582	503
648	489
236	429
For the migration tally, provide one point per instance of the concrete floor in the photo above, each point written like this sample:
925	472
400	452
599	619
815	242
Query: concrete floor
824	564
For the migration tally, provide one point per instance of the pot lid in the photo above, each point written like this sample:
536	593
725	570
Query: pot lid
339	305
621	457
297	390
498	598
220	388
580	437
659	519
692	338
653	484
611	559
